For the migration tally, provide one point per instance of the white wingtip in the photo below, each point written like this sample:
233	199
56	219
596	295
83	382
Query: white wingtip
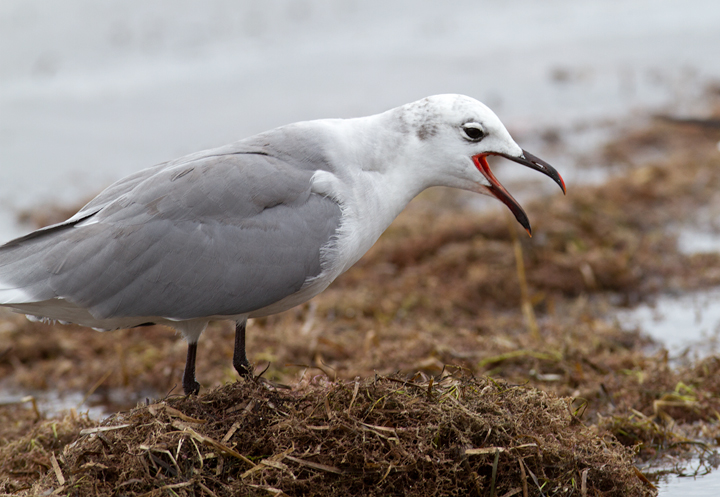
39	319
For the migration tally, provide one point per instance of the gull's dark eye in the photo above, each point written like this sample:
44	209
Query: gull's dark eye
473	132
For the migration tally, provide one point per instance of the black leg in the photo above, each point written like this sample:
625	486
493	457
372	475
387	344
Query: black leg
189	384
240	360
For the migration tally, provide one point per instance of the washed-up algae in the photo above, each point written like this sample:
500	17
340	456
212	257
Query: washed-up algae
381	436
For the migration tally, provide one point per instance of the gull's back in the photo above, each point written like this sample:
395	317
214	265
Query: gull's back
223	232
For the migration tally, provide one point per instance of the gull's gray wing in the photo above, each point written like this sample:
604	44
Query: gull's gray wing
222	232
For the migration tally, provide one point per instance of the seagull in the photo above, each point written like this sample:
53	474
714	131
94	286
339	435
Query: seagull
253	228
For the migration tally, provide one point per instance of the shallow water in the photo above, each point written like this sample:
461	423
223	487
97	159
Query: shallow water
693	241
51	403
700	486
686	323
706	483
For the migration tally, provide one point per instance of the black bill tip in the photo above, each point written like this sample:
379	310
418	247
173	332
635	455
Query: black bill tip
529	160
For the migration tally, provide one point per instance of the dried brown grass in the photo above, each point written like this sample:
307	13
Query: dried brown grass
382	436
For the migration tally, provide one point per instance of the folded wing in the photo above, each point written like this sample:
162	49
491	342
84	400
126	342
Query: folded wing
213	234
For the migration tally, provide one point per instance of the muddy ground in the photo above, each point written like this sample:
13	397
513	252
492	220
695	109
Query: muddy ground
437	365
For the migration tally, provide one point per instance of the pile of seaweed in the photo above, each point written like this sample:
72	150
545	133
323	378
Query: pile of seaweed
389	435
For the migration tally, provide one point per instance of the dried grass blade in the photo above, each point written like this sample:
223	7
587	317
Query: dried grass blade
274	464
167	487
328	411
220	465
484	450
231	431
173	413
94	387
583	482
272	490
643	478
220	448
236	425
380	428
94	465
318	428
524	446
200	456
534	478
131	481
315	465
99	429
238	407
494	472
56	469
271	462
527	308
354	395
390	468
523	476
206	490
33	401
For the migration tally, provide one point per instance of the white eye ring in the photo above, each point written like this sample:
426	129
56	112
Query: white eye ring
473	132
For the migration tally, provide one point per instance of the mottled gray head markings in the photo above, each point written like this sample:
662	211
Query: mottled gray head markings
424	119
427	130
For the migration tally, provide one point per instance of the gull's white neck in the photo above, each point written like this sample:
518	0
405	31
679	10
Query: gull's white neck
375	179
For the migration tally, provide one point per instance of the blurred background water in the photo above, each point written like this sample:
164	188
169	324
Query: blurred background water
93	90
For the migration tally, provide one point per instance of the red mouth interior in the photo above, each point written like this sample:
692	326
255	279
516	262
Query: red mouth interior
500	192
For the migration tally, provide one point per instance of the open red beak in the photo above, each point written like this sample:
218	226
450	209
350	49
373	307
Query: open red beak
528	160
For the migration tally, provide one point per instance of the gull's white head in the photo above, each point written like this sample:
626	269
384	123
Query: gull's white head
451	136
